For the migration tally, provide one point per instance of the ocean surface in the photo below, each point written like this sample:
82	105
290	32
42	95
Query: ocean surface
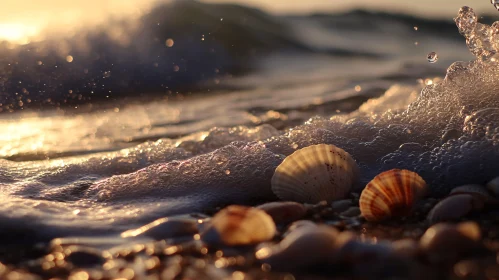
193	106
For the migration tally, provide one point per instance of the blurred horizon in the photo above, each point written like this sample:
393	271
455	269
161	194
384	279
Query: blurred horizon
21	23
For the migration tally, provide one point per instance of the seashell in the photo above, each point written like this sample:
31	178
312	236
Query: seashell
315	173
391	193
451	208
493	186
239	225
164	228
446	242
303	247
284	212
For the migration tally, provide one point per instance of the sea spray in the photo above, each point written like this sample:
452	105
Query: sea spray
448	133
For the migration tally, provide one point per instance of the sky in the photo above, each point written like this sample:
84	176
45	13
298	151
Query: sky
23	20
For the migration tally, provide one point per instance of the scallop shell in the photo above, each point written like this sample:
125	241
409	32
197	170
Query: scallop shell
315	173
391	193
239	225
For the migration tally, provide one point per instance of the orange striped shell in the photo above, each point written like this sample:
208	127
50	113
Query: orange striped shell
391	193
315	173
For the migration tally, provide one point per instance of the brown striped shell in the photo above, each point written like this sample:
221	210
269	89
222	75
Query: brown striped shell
239	225
315	173
391	193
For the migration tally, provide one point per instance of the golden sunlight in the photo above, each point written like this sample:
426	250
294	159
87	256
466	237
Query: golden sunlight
21	23
17	33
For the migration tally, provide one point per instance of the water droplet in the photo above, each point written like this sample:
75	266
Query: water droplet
466	20
169	42
416	28
227	171
432	57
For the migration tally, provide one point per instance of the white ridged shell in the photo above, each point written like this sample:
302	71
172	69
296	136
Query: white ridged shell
315	173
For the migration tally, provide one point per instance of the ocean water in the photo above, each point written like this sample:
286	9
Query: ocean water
193	106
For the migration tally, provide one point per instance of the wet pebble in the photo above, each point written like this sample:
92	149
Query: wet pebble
84	256
451	208
350	250
239	225
341	205
303	247
481	196
406	248
447	242
284	212
351	212
493	187
301	223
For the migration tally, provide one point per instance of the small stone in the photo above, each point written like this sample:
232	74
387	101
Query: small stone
302	223
284	212
467	269
341	205
481	196
304	247
351	212
406	248
493	187
84	256
451	208
350	250
446	242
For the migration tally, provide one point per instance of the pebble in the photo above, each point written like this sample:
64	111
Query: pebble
341	205
406	248
301	223
481	196
451	208
350	250
284	212
351	212
303	247
446	242
239	225
84	256
493	187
